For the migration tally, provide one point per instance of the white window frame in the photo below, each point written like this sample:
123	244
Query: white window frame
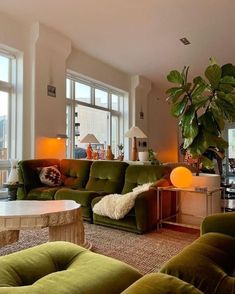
15	91
72	102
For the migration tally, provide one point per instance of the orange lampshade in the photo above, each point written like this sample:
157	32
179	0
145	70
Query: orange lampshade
181	177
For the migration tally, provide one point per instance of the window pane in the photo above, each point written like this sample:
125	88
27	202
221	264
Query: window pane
4	68
68	88
114	135
101	98
91	121
3	125
114	102
82	92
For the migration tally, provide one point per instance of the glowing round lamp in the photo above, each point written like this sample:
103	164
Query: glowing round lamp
181	177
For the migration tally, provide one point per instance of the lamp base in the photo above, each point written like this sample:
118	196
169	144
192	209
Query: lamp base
89	152
134	154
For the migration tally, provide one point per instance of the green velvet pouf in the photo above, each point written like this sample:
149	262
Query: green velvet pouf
157	283
62	267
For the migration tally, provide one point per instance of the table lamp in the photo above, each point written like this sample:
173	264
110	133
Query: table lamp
133	133
181	177
89	138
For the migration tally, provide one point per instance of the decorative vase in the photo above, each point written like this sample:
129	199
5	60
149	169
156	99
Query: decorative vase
13	177
109	154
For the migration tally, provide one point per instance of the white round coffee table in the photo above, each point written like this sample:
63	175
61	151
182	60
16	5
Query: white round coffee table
62	217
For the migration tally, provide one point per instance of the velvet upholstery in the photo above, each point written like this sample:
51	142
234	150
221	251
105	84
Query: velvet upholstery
143	217
209	262
29	176
62	267
75	173
105	177
158	283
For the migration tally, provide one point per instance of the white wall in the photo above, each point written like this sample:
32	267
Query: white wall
44	52
89	66
15	36
162	127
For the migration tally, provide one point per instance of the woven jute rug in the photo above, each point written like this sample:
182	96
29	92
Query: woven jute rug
146	252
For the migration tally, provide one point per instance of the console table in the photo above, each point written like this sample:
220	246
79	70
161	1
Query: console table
63	217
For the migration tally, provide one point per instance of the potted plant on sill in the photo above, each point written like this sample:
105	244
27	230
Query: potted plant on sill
203	106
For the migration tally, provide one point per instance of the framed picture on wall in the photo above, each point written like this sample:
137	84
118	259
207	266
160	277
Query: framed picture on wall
51	91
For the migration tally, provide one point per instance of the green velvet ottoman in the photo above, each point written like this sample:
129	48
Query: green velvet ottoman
62	267
157	283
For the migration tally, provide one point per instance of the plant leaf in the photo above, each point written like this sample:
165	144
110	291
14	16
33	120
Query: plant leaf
228	80
178	108
175	77
228	70
213	74
175	93
206	162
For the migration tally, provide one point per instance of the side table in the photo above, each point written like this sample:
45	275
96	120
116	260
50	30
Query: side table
12	190
179	218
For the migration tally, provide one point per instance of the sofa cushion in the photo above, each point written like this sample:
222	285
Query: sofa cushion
107	176
208	263
75	173
157	283
141	174
83	197
63	267
42	193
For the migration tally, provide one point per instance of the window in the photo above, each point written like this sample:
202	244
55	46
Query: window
7	114
93	108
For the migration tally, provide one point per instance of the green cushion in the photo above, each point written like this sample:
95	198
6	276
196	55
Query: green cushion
220	223
107	176
157	283
42	193
141	174
83	197
29	175
208	263
62	267
75	173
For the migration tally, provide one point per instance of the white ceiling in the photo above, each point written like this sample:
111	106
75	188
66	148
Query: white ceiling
140	36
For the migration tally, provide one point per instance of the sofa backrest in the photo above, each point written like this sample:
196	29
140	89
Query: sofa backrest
75	172
28	171
107	176
141	174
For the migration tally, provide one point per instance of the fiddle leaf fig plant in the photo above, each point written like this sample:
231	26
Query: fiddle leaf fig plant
203	106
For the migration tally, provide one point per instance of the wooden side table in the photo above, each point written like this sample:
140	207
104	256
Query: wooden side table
12	190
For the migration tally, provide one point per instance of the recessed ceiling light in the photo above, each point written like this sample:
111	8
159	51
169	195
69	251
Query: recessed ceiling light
185	41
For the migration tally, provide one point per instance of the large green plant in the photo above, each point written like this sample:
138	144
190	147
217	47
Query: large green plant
203	106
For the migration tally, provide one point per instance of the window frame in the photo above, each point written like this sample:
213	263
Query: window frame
72	102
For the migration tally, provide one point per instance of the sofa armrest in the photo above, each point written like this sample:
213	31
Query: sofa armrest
219	223
146	210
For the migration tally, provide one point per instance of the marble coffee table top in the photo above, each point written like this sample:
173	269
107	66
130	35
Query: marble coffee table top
36	207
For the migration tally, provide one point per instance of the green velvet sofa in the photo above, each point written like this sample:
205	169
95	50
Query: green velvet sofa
63	267
87	182
209	262
82	181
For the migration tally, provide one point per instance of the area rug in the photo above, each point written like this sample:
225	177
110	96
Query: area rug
146	252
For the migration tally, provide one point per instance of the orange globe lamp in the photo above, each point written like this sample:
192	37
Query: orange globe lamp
181	177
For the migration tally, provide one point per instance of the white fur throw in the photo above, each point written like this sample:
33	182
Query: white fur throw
116	206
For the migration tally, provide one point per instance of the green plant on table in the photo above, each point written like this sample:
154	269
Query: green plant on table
203	106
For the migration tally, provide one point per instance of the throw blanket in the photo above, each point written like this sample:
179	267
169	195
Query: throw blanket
116	206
